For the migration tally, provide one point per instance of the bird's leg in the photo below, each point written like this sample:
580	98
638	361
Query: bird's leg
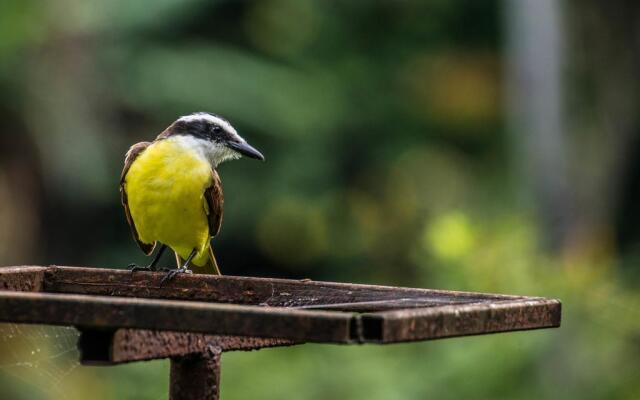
184	269
152	266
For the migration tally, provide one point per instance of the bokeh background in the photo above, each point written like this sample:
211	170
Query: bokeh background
468	145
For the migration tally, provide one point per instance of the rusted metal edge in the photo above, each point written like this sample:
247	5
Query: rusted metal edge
486	314
106	312
23	279
459	320
301	282
385	305
253	290
109	347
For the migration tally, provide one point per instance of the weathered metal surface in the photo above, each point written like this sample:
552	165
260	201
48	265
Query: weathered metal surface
23	279
128	345
390	304
196	377
242	290
459	320
300	311
186	316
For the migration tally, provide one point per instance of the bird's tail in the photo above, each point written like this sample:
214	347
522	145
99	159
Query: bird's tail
211	267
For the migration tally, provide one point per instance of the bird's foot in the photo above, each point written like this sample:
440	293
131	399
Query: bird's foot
135	267
173	272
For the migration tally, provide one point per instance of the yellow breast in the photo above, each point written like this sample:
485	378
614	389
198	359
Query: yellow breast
165	188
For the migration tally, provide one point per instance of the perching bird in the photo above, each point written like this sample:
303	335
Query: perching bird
172	194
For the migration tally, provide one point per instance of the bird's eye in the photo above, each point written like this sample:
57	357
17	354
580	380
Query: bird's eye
216	129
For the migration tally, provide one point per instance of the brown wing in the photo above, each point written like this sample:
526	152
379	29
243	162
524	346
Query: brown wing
214	201
131	156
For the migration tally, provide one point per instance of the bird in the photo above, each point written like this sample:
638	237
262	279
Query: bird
172	194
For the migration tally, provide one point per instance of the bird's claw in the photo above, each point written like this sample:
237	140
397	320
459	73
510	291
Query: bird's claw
172	273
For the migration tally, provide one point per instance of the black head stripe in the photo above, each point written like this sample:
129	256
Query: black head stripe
201	126
198	128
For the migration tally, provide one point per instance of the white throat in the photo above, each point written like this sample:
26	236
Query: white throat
215	153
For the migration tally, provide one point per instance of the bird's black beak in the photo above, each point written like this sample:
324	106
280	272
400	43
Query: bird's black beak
246	149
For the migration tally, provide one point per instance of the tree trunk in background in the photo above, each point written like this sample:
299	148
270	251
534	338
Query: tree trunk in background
604	112
535	107
573	103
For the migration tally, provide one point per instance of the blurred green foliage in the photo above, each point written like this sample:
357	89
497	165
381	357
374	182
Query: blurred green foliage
387	163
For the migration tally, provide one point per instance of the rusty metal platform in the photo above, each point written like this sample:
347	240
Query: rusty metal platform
126	317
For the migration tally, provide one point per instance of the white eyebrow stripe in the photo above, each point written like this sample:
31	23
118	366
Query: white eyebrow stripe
211	118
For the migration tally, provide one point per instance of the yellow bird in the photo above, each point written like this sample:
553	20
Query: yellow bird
171	191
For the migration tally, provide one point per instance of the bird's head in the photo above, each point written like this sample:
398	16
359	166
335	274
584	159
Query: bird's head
213	136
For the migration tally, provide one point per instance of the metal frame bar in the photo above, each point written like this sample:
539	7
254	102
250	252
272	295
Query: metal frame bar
125	317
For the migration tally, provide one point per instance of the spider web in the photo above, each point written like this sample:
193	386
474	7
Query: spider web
37	360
